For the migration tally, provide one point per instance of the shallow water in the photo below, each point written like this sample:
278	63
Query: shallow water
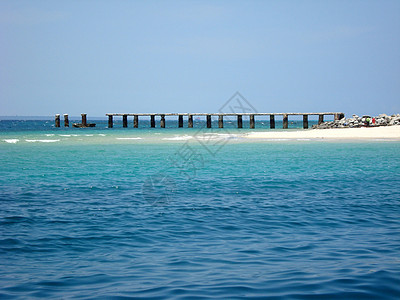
102	213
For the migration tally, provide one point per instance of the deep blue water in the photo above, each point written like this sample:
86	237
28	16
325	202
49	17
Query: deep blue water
183	214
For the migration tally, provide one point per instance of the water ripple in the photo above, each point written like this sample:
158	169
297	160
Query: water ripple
262	221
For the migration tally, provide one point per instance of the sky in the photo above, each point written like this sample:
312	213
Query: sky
99	57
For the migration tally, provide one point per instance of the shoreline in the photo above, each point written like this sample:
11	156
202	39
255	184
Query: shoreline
384	132
176	136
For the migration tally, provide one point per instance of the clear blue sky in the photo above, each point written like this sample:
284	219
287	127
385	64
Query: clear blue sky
191	56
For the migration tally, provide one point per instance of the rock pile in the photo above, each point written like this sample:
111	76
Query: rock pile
356	121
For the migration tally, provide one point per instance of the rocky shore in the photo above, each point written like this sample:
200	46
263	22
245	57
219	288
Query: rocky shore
364	121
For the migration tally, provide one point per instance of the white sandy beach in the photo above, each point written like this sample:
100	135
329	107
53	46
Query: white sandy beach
385	132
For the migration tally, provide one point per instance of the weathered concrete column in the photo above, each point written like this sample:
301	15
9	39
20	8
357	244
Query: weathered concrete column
208	121
66	121
320	119
252	122
135	121
285	121
152	121
180	121
190	121
221	121
305	121
162	121
84	121
124	121
110	121
240	121
336	117
57	120
272	121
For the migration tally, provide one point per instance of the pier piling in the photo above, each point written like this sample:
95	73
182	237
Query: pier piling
285	121
162	121
220	121
125	121
66	121
252	122
272	121
305	121
190	121
320	119
239	121
209	116
208	121
180	120
84	120
57	120
339	116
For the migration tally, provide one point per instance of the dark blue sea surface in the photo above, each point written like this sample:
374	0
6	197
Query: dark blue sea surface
156	214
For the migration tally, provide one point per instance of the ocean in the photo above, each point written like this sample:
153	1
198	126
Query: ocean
199	213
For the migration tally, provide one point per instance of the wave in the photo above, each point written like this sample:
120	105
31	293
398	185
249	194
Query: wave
42	141
11	141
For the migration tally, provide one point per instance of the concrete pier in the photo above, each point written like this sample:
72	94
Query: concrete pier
285	121
181	116
320	119
272	121
305	121
84	121
190	121
252	122
162	121
239	121
220	121
83	124
339	116
180	121
66	121
208	121
57	120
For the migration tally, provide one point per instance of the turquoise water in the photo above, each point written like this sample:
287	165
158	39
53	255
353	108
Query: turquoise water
195	213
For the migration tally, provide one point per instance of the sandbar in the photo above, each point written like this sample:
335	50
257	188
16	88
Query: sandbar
384	132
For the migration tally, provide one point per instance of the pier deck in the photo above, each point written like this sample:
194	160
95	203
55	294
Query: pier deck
337	116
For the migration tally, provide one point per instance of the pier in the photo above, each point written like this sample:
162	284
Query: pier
83	124
239	116
208	116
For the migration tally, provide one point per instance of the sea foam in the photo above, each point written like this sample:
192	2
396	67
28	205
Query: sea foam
11	141
42	141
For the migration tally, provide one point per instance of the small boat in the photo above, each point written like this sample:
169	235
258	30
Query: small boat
79	125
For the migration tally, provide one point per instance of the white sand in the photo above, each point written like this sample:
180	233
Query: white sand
385	132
